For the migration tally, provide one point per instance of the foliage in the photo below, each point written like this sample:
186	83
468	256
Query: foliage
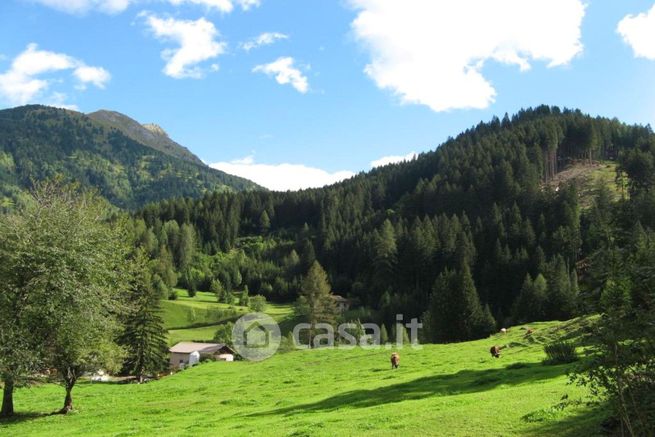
67	262
316	304
257	303
488	198
224	333
560	352
143	335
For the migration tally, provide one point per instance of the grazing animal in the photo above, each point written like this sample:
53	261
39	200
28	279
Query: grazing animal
529	332
495	351
504	330
395	360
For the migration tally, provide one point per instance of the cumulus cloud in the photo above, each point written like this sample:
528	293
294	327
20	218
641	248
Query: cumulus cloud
393	159
24	83
264	39
225	6
432	52
281	177
97	76
285	73
83	6
638	31
197	42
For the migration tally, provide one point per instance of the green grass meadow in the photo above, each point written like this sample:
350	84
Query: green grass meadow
197	318
451	390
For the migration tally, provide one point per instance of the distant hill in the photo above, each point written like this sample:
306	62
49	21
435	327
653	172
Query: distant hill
151	135
130	170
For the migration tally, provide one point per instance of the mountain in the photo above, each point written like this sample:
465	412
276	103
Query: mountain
151	135
40	142
453	235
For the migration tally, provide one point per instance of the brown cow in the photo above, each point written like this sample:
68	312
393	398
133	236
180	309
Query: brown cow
395	360
495	351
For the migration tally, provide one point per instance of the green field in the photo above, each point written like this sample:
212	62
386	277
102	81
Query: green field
196	318
454	389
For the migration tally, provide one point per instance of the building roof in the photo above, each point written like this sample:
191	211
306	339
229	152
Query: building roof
338	298
188	347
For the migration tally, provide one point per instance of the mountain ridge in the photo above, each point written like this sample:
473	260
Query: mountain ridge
150	134
40	142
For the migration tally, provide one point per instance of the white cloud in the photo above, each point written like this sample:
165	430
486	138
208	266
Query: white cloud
266	38
197	42
24	82
97	76
248	4
281	177
638	31
393	159
432	52
116	6
84	6
285	73
225	6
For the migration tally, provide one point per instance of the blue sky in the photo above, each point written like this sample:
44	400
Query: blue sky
361	80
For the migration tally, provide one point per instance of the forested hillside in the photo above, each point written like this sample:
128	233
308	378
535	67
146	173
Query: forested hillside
470	235
39	143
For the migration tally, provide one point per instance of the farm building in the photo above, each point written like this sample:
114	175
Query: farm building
189	353
341	303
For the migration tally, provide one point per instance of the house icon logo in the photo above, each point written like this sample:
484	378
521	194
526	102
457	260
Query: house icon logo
256	336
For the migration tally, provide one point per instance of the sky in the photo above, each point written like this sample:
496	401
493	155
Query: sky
302	93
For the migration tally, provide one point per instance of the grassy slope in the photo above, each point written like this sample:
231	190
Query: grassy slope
196	319
455	389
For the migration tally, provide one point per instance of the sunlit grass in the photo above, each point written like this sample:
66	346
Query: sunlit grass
454	389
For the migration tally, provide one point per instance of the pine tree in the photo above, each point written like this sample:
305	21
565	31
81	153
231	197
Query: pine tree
384	336
264	222
531	302
316	304
186	247
562	300
244	300
217	288
455	311
144	336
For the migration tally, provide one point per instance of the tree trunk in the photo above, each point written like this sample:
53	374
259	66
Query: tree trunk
7	398
68	401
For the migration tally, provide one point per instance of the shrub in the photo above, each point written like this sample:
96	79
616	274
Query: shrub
560	352
172	295
257	303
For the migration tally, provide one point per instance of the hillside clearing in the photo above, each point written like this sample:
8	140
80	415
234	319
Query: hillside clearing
197	318
453	389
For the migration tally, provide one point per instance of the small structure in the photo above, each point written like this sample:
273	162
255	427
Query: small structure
341	303
187	353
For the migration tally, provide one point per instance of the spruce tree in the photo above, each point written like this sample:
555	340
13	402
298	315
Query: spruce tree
144	335
562	300
316	304
384	336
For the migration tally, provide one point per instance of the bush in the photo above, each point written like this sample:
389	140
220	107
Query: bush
257	303
560	352
224	333
172	295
